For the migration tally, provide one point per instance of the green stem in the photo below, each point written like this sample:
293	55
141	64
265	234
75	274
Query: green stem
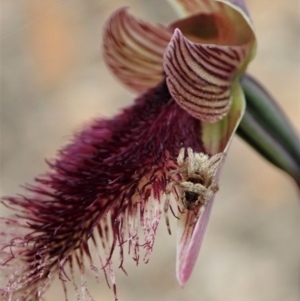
266	128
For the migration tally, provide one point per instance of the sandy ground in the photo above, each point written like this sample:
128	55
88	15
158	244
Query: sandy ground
53	81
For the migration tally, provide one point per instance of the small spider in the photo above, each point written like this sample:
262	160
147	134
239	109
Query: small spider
197	184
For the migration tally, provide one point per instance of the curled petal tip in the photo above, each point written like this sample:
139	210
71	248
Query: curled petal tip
200	76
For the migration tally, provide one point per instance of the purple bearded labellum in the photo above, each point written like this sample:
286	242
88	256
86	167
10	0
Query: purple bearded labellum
121	174
102	191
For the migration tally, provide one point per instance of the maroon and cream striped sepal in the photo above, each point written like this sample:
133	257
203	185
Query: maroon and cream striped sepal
133	50
200	76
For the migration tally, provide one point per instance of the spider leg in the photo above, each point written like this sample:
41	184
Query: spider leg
180	158
179	170
166	208
190	162
203	203
198	215
214	186
168	191
215	162
167	204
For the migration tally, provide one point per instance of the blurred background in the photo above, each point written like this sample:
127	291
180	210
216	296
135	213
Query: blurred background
53	81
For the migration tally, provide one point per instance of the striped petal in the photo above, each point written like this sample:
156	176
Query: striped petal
133	50
200	76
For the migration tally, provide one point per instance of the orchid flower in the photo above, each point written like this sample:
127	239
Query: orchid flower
160	157
199	58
